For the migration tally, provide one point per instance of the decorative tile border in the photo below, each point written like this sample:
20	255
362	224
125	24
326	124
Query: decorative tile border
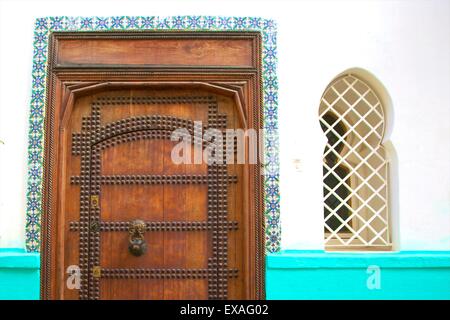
45	26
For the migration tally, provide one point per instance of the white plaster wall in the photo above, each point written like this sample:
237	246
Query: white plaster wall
405	44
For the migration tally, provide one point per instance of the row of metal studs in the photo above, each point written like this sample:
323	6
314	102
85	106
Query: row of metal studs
161	125
212	215
106	100
163	273
145	133
157	225
149	179
94	214
85	152
222	216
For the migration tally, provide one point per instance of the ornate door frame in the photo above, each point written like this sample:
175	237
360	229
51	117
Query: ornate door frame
48	77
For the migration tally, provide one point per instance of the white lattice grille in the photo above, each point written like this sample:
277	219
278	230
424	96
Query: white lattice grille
355	168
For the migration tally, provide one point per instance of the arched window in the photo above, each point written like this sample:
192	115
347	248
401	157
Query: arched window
355	169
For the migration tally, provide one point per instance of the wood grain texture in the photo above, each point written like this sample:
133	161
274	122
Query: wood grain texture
170	52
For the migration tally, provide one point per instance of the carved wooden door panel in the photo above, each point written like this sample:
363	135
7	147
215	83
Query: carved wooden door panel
127	177
121	216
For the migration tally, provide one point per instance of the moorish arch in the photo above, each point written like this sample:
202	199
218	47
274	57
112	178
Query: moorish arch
355	166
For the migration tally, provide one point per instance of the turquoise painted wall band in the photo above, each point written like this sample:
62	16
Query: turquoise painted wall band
295	275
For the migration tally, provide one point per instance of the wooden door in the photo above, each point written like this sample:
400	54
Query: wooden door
121	215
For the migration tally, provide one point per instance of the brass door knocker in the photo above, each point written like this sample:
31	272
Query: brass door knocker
137	245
